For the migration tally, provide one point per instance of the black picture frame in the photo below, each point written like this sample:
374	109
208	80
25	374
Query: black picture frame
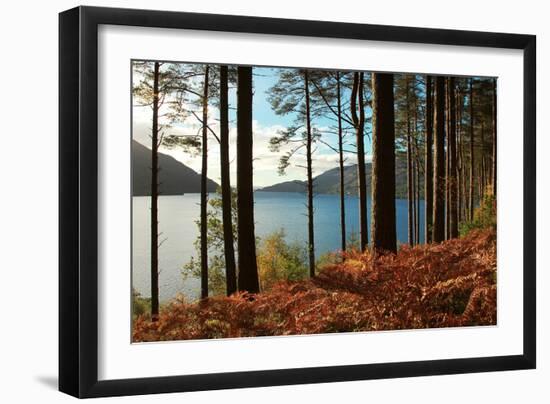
78	201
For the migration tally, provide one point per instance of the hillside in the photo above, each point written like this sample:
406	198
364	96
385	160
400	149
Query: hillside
428	286
329	181
175	178
287	186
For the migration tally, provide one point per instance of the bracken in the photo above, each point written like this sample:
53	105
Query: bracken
440	285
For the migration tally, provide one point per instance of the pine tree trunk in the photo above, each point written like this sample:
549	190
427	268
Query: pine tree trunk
460	162
341	164
362	124
463	191
447	162
204	190
416	176
465	203
410	221
228	241
428	172
359	123
438	234
414	241
154	198
383	164
417	198
452	178
246	239
472	158
494	125
309	142
482	177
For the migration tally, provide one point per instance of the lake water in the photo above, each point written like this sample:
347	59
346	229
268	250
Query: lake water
272	210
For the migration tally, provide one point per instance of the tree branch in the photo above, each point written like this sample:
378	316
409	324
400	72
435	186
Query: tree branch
207	127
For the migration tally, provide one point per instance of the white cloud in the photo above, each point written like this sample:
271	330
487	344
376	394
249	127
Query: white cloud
265	161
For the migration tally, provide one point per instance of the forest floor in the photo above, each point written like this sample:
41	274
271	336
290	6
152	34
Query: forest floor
428	286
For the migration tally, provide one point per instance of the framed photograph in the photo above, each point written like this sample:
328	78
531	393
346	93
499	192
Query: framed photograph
251	201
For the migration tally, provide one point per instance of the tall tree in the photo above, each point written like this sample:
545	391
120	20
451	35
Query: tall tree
152	86
483	160
357	103
383	164
438	233
154	196
417	192
329	88
447	161
192	97
291	95
409	118
472	157
309	153
452	175
410	180
459	104
417	165
428	172
228	247
246	240
204	189
341	163
494	127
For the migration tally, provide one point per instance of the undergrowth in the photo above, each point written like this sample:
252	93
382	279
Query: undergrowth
441	285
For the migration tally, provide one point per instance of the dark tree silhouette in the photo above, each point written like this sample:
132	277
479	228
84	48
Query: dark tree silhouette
246	240
204	190
452	175
383	164
410	180
459	105
309	152
357	103
154	86
438	233
494	127
341	163
228	242
154	197
472	157
447	161
417	167
428	172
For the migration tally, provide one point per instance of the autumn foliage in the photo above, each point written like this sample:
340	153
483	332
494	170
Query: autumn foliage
439	285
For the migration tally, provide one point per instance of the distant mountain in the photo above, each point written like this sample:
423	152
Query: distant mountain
329	181
175	178
287	186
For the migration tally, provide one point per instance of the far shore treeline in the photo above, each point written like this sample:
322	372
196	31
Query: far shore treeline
415	136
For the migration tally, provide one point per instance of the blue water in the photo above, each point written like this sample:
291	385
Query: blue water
273	211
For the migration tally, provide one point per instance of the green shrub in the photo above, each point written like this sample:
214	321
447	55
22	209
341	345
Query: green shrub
215	242
329	258
353	242
140	305
279	260
485	216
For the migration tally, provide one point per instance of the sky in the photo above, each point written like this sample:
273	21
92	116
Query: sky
266	124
